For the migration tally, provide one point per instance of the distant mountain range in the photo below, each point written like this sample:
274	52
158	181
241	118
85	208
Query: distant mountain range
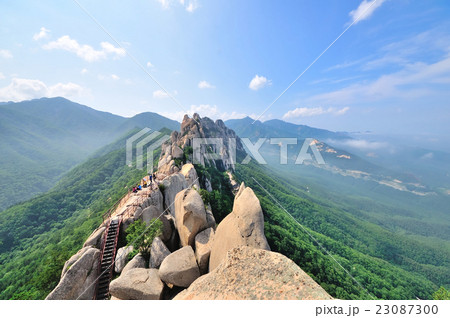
247	127
347	162
42	139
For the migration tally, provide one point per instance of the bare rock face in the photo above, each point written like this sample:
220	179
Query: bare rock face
156	199
151	213
210	220
172	185
78	277
189	172
180	268
158	252
190	215
137	262
243	226
203	243
248	273
96	238
137	284
177	152
122	258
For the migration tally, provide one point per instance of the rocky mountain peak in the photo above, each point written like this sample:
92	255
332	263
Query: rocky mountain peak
221	141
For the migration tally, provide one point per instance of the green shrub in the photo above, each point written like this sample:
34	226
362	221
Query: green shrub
205	196
178	162
141	236
188	151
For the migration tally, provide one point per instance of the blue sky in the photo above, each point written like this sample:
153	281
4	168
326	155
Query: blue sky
389	73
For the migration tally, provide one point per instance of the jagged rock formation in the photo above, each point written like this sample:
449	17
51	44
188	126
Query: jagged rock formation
230	260
243	226
198	127
249	273
78	276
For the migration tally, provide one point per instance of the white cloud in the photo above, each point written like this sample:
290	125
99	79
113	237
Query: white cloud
160	94
43	33
165	3
314	111
189	6
108	77
360	144
149	64
411	82
6	54
365	10
86	52
2	76
205	84
84	71
428	155
259	82
66	90
23	89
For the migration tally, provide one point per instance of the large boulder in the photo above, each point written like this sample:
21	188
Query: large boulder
96	238
243	226
79	276
137	262
137	284
158	252
172	185
180	268
122	258
190	215
151	213
248	273
203	243
189	172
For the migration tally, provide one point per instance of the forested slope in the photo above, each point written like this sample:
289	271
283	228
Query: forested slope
38	236
388	265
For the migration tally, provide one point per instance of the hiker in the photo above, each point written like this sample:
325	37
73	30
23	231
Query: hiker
151	178
134	190
139	187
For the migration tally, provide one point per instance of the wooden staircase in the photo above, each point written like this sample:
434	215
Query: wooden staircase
107	259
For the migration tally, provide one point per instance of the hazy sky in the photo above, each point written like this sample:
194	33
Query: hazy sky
389	73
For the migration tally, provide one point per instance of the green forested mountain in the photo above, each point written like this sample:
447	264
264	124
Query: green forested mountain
390	265
392	216
39	235
40	140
